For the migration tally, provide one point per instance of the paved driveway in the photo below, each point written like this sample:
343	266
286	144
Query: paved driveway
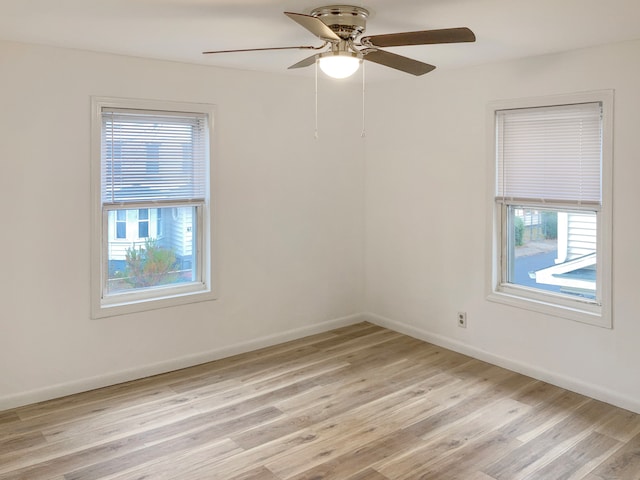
531	263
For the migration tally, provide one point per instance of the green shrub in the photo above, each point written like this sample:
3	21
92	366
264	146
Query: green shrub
550	225
518	224
150	265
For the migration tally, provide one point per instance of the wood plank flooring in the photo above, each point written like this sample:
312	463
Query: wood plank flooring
357	403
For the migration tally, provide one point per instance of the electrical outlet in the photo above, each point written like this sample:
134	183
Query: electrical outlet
462	319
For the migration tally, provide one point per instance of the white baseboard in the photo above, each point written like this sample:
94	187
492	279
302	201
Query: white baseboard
569	383
86	384
77	386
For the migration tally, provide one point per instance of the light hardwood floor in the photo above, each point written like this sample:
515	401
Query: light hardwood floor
357	403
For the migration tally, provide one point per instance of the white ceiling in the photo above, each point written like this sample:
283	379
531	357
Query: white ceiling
181	29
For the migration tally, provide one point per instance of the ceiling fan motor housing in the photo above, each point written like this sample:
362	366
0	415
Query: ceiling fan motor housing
346	21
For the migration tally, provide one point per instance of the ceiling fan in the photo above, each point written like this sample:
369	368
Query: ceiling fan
340	27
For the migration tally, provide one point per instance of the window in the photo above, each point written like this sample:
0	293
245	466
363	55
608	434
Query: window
551	203
152	205
121	224
143	223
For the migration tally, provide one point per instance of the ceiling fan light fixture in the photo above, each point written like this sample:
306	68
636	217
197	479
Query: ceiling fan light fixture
339	64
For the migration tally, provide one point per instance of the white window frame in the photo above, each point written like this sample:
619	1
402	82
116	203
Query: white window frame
203	290
595	313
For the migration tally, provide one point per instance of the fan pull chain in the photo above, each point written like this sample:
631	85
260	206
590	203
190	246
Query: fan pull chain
364	133
315	135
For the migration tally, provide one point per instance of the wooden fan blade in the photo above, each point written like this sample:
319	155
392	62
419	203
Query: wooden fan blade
424	37
404	64
315	26
304	63
304	47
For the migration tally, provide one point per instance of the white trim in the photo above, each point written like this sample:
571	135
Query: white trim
537	300
540	302
563	381
109	379
207	217
77	386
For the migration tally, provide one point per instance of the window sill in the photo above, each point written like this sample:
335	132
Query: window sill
114	308
585	313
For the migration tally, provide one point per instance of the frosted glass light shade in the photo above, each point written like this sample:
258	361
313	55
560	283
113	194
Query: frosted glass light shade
339	65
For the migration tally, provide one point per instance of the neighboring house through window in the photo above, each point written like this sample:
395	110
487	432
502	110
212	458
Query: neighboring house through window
151	173
551	233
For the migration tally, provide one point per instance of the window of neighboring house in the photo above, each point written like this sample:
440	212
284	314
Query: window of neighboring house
143	223
551	242
121	224
151	174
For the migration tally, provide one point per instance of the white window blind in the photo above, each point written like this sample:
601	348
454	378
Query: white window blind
153	156
550	154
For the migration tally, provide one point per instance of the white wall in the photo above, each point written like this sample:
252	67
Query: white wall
427	208
289	228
